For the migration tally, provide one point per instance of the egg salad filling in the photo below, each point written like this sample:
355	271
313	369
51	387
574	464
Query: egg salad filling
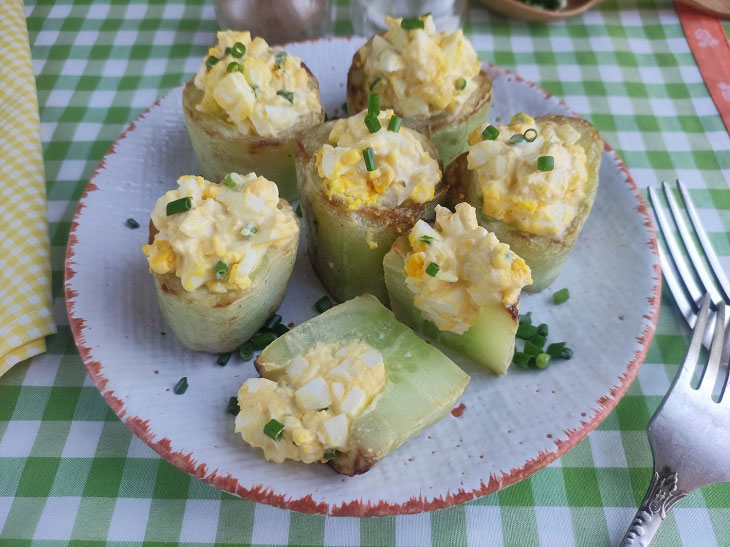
306	415
418	70
531	175
259	89
456	267
401	168
215	235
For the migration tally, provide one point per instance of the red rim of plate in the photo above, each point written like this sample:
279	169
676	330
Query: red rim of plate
358	508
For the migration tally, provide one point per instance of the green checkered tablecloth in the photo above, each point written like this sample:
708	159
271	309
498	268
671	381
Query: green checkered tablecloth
71	472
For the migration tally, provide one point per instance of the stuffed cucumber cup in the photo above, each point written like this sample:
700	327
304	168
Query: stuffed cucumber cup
456	283
246	107
347	388
533	183
221	256
434	80
363	182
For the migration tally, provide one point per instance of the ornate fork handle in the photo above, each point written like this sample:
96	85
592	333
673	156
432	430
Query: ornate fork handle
662	494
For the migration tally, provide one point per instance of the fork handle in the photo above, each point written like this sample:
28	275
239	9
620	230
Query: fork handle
661	496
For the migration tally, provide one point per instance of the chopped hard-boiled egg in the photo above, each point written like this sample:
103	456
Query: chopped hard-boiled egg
316	399
261	90
404	170
418	70
224	235
539	196
456	266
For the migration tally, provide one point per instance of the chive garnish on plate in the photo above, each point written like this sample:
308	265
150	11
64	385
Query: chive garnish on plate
561	296
545	163
530	134
233	407
323	304
372	123
181	386
411	23
238	50
228	181
274	429
368	155
490	133
516	138
542	360
221	270
260	340
246	351
376	81
133	224
181	205
460	83
433	269
288	95
211	61
234	67
394	123
426	239
223	359
373	104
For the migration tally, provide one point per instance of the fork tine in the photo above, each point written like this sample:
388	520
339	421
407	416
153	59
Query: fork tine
680	262
709	377
675	287
705	241
684	375
699	265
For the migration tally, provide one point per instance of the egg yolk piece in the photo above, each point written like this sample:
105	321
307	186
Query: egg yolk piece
404	169
514	189
456	267
421	71
230	225
264	93
316	399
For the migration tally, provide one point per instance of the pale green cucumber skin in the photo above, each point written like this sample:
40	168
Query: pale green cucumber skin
219	323
421	385
447	131
221	149
489	342
545	255
338	238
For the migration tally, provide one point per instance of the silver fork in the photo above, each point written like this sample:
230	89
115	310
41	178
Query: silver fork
689	433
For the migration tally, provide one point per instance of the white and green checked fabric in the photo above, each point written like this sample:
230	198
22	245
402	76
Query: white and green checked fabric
70	472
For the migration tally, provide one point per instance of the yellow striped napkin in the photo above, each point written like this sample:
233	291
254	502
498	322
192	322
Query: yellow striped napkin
25	269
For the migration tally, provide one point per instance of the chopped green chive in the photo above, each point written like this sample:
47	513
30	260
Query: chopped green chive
538	340
325	409
526	318
516	138
331	453
372	123
522	360
233	407
490	133
323	304
181	386
288	95
223	359
228	181
460	83
555	349
274	430
272	321
369	156
211	61
532	349
530	135
238	50
525	331
542	360
394	123
298	210
542	329
179	206
279	58
567	353
561	296
281	329
376	81
234	67
133	224
426	239
433	269
256	90
221	270
373	104
545	163
262	339
411	23
246	351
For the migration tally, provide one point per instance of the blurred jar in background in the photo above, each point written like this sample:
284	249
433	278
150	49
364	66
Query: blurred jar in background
277	21
368	15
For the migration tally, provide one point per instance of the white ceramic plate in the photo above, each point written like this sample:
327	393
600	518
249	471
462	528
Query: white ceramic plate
503	430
